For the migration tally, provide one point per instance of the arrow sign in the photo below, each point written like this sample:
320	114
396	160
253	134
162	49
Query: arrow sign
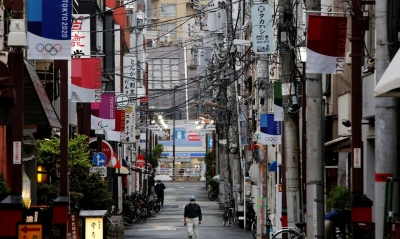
99	159
25	229
29	230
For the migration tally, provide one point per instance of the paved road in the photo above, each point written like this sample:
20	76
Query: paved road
168	224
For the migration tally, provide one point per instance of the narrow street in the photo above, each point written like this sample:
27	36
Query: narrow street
168	224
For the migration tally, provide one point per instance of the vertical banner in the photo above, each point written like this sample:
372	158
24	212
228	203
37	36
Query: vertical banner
107	106
243	125
326	44
144	107
86	74
17	152
261	22
49	29
270	130
73	226
129	135
129	75
278	106
103	114
120	120
80	36
143	140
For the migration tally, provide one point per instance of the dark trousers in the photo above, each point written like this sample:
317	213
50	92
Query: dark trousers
160	197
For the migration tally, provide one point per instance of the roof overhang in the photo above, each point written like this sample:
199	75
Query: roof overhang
389	84
341	144
37	107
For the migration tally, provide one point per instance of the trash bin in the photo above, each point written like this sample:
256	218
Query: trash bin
364	230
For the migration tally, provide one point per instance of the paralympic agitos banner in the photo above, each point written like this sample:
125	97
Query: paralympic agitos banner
326	43
49	29
105	116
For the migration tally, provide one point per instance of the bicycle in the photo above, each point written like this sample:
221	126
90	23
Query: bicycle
229	215
213	194
267	225
346	235
292	233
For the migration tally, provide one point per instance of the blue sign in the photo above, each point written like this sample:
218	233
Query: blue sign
99	159
49	29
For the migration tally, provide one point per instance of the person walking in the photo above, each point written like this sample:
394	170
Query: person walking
192	218
160	191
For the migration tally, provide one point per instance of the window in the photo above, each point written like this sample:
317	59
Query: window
168	28
157	74
150	76
164	73
168	10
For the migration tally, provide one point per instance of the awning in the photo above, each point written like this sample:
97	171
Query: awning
389	84
273	166
122	171
341	144
37	107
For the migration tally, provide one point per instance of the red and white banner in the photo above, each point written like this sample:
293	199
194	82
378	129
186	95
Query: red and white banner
117	134
86	74
114	162
326	44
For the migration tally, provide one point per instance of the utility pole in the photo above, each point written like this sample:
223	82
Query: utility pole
386	121
262	78
290	130
223	157
173	139
314	160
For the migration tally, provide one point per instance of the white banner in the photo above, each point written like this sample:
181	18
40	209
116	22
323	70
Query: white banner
80	36
129	135
129	75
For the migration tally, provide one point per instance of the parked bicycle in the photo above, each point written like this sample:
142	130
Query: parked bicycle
346	235
154	205
292	233
267	225
213	193
229	214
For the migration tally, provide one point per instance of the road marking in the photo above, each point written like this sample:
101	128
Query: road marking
159	229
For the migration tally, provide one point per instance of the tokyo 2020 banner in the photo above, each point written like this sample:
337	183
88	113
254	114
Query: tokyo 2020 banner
326	44
49	29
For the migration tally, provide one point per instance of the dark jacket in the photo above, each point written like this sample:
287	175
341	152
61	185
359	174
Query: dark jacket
193	211
339	218
160	188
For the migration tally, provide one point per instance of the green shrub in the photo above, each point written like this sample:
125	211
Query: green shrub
339	198
4	189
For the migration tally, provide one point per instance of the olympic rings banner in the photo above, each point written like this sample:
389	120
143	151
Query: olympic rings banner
270	130
49	29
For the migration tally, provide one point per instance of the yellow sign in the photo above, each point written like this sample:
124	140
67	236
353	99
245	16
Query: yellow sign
94	227
30	231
